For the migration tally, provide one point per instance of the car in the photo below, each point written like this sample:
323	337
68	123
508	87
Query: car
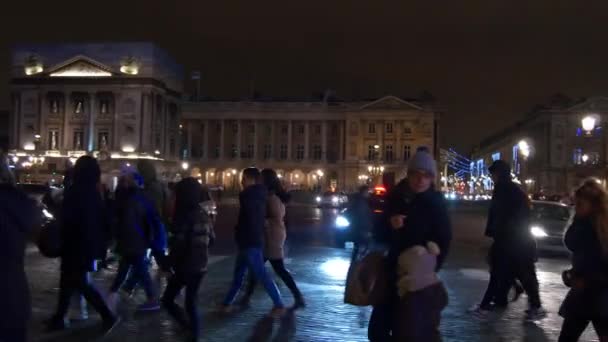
44	196
342	223
548	223
332	200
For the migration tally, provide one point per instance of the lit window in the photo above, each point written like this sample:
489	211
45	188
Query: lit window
317	152
78	140
389	128
53	142
407	152
300	152
388	154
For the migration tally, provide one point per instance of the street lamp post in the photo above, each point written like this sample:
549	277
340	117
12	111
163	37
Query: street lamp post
589	122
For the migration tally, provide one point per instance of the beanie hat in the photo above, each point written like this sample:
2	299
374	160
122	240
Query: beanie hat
423	160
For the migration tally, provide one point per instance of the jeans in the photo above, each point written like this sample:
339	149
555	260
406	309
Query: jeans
279	268
192	283
139	267
78	281
573	327
252	259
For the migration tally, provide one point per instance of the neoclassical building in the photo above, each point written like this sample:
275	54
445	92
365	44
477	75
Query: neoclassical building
312	144
554	148
117	101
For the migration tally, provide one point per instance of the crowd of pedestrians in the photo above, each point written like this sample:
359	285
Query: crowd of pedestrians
144	222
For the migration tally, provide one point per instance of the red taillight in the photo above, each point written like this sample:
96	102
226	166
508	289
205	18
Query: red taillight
378	211
379	190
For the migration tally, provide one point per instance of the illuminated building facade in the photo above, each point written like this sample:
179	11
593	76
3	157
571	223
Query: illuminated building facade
117	101
313	144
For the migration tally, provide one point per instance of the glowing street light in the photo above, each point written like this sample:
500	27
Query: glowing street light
585	158
185	166
524	148
589	122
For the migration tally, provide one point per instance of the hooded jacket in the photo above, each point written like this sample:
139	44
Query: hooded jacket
252	216
18	215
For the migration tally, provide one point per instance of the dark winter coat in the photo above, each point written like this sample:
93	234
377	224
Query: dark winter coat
588	259
85	227
590	264
252	216
192	236
426	220
509	222
132	230
18	216
360	216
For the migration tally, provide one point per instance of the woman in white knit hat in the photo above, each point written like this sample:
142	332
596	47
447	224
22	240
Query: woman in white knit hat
417	215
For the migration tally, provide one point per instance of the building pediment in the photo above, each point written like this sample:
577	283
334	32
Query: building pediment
594	104
391	102
80	66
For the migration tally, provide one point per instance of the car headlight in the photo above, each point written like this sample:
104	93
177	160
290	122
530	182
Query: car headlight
342	222
538	232
335	199
47	214
318	199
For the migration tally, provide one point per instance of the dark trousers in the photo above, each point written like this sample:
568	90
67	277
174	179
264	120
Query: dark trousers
78	282
573	327
13	332
278	265
525	271
192	283
415	317
138	265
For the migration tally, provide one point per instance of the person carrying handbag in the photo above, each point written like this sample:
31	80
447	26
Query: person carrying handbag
193	234
587	239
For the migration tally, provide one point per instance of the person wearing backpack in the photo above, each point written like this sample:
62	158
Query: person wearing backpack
134	234
193	234
20	220
83	240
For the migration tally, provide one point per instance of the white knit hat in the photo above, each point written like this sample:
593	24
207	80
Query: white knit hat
423	160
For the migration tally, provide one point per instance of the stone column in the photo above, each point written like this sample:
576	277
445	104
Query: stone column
206	140
115	141
91	125
66	122
306	140
289	139
42	130
324	142
189	127
398	131
239	138
256	127
222	133
342	142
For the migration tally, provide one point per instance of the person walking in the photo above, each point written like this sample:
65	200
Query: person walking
20	221
249	236
417	215
360	215
133	234
192	236
275	235
83	237
513	251
587	239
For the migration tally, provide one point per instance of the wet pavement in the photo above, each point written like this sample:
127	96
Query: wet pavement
320	272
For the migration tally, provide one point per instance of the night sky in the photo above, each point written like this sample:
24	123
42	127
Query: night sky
487	62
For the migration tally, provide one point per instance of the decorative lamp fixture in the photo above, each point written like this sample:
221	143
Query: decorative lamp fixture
585	158
33	66
129	66
185	166
524	148
589	122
